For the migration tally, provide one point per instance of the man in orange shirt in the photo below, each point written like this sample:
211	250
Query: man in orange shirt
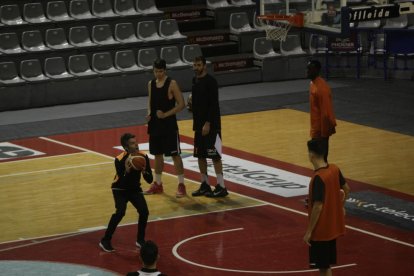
328	191
322	117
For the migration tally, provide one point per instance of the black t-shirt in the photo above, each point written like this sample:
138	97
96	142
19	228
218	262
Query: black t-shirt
318	192
131	180
205	103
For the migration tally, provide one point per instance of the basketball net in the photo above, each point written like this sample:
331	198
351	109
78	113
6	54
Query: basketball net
277	26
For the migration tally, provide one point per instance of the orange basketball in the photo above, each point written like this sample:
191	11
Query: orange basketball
138	161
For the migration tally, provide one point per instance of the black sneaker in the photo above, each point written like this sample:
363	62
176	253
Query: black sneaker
106	246
204	189
218	192
139	244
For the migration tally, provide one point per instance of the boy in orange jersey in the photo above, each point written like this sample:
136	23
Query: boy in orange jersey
127	187
322	117
326	210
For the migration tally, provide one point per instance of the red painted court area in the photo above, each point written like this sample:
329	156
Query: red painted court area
260	240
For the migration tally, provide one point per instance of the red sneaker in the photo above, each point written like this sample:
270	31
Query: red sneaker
181	190
154	189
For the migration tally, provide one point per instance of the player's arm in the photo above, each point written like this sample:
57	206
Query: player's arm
148	117
212	105
147	173
344	186
314	217
179	99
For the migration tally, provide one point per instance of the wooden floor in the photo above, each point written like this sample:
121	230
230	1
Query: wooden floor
68	192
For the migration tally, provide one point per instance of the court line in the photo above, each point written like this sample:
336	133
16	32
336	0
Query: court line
178	256
57	169
40	157
273	204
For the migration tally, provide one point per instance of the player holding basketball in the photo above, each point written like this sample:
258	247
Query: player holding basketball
322	116
164	101
204	104
127	187
326	209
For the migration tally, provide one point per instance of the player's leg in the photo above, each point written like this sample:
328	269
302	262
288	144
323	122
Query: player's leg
201	153
157	149
213	141
120	200
138	201
172	148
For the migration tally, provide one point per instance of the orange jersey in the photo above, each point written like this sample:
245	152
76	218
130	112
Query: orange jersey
322	116
331	222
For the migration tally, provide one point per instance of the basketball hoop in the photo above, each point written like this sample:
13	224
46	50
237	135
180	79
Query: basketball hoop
277	26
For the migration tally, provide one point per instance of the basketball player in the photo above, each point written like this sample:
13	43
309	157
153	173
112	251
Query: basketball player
204	104
149	256
322	117
164	101
127	187
326	210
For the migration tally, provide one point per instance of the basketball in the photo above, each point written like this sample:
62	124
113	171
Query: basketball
138	161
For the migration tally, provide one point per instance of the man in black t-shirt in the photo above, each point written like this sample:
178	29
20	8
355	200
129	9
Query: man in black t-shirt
204	104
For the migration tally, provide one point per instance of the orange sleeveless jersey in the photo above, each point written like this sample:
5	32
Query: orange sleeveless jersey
331	223
321	109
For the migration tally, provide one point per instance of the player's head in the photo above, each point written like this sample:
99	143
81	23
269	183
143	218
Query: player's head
128	142
159	68
199	65
313	69
149	253
315	149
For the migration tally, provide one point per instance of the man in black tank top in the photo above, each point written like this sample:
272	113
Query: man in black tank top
204	103
164	101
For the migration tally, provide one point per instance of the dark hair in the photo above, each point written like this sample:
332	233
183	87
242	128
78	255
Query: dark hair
315	63
149	252
125	138
200	58
160	64
316	147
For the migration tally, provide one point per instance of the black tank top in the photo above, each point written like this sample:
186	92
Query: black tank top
160	101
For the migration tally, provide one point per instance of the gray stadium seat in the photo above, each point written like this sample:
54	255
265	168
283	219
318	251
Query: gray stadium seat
102	8
147	31
9	44
79	9
214	4
400	22
241	3
102	63
239	23
371	24
31	70
79	37
146	57
10	15
125	8
263	48
33	13
55	68
79	66
171	55
56	11
102	34
56	39
190	52
291	46
318	44
147	7
32	41
125	33
8	74
125	61
168	28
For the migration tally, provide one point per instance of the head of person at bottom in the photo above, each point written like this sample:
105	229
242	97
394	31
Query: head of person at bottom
313	69
129	143
316	151
149	254
159	68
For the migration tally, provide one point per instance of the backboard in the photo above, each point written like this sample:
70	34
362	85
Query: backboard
336	17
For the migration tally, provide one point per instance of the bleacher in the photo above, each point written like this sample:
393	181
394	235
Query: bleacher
68	51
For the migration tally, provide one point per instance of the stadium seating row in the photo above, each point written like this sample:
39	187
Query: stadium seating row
78	37
57	11
102	64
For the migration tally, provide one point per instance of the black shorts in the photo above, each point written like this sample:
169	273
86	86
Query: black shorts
205	146
322	254
168	145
